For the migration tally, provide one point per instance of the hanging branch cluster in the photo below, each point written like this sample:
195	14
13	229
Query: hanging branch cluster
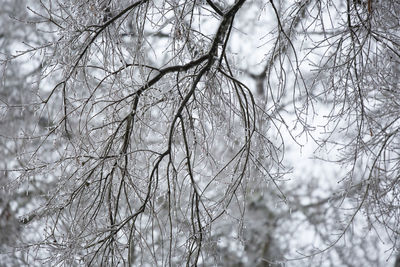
155	128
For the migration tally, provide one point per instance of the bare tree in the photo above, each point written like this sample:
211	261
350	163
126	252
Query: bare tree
153	130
